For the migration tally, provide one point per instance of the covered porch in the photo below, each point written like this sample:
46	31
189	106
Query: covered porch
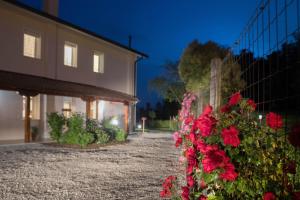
53	95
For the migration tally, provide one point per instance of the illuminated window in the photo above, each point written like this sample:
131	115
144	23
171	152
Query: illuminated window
67	108
98	63
32	45
70	54
94	111
34	107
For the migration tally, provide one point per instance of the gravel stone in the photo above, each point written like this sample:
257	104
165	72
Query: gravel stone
133	170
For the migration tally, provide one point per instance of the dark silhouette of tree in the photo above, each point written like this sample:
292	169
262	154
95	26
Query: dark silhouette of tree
169	85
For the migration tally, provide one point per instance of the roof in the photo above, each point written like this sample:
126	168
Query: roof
61	21
39	85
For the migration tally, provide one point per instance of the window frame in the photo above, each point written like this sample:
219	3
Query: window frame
100	68
37	44
74	54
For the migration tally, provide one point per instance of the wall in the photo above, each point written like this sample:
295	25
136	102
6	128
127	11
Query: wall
118	63
11	121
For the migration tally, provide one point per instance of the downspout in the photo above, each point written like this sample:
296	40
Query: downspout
135	88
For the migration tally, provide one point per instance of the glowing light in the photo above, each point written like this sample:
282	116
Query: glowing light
260	117
114	122
139	126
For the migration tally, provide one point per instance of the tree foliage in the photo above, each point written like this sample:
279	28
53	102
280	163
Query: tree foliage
169	85
231	79
194	66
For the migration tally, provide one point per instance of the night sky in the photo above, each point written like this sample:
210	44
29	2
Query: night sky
160	28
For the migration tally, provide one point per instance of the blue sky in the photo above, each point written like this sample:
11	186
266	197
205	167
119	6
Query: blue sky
160	28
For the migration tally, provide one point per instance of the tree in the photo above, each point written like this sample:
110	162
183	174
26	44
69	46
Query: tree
231	79
152	115
194	66
169	85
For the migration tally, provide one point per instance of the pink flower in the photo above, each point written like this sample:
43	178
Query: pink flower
230	136
235	98
251	103
269	196
175	136
229	174
274	120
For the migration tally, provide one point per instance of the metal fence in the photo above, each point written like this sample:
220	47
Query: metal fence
268	52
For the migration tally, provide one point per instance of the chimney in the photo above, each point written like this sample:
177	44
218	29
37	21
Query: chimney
51	7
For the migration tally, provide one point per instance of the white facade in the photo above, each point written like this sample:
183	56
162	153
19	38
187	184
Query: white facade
47	58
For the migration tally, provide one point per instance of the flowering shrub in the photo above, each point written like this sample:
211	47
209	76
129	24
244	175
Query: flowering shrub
229	154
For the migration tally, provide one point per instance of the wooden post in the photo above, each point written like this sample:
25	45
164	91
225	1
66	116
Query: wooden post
126	117
88	108
27	119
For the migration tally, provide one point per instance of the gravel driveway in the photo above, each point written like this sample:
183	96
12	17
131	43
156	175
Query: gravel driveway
127	171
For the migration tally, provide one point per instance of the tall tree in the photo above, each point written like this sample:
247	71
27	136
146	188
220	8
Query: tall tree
169	85
194	66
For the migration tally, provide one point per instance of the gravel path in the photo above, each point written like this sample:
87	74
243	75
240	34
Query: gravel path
129	171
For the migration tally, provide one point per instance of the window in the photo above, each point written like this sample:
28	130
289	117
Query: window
94	110
32	45
70	54
98	63
34	107
67	108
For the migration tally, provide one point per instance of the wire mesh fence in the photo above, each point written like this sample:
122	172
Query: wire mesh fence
268	52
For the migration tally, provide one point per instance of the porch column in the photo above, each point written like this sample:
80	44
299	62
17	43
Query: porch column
88	101
88	108
126	117
27	129
27	119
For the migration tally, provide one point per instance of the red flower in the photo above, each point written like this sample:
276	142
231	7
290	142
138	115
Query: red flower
294	136
167	186
190	181
202	197
251	103
269	196
191	160
214	159
191	137
207	110
229	174
230	136
202	184
189	119
185	193
290	167
274	121
178	142
225	108
296	196
201	146
235	98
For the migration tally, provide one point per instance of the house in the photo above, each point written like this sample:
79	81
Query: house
50	65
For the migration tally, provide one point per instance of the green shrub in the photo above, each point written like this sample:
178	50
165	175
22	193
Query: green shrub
56	122
120	135
76	134
92	125
102	136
